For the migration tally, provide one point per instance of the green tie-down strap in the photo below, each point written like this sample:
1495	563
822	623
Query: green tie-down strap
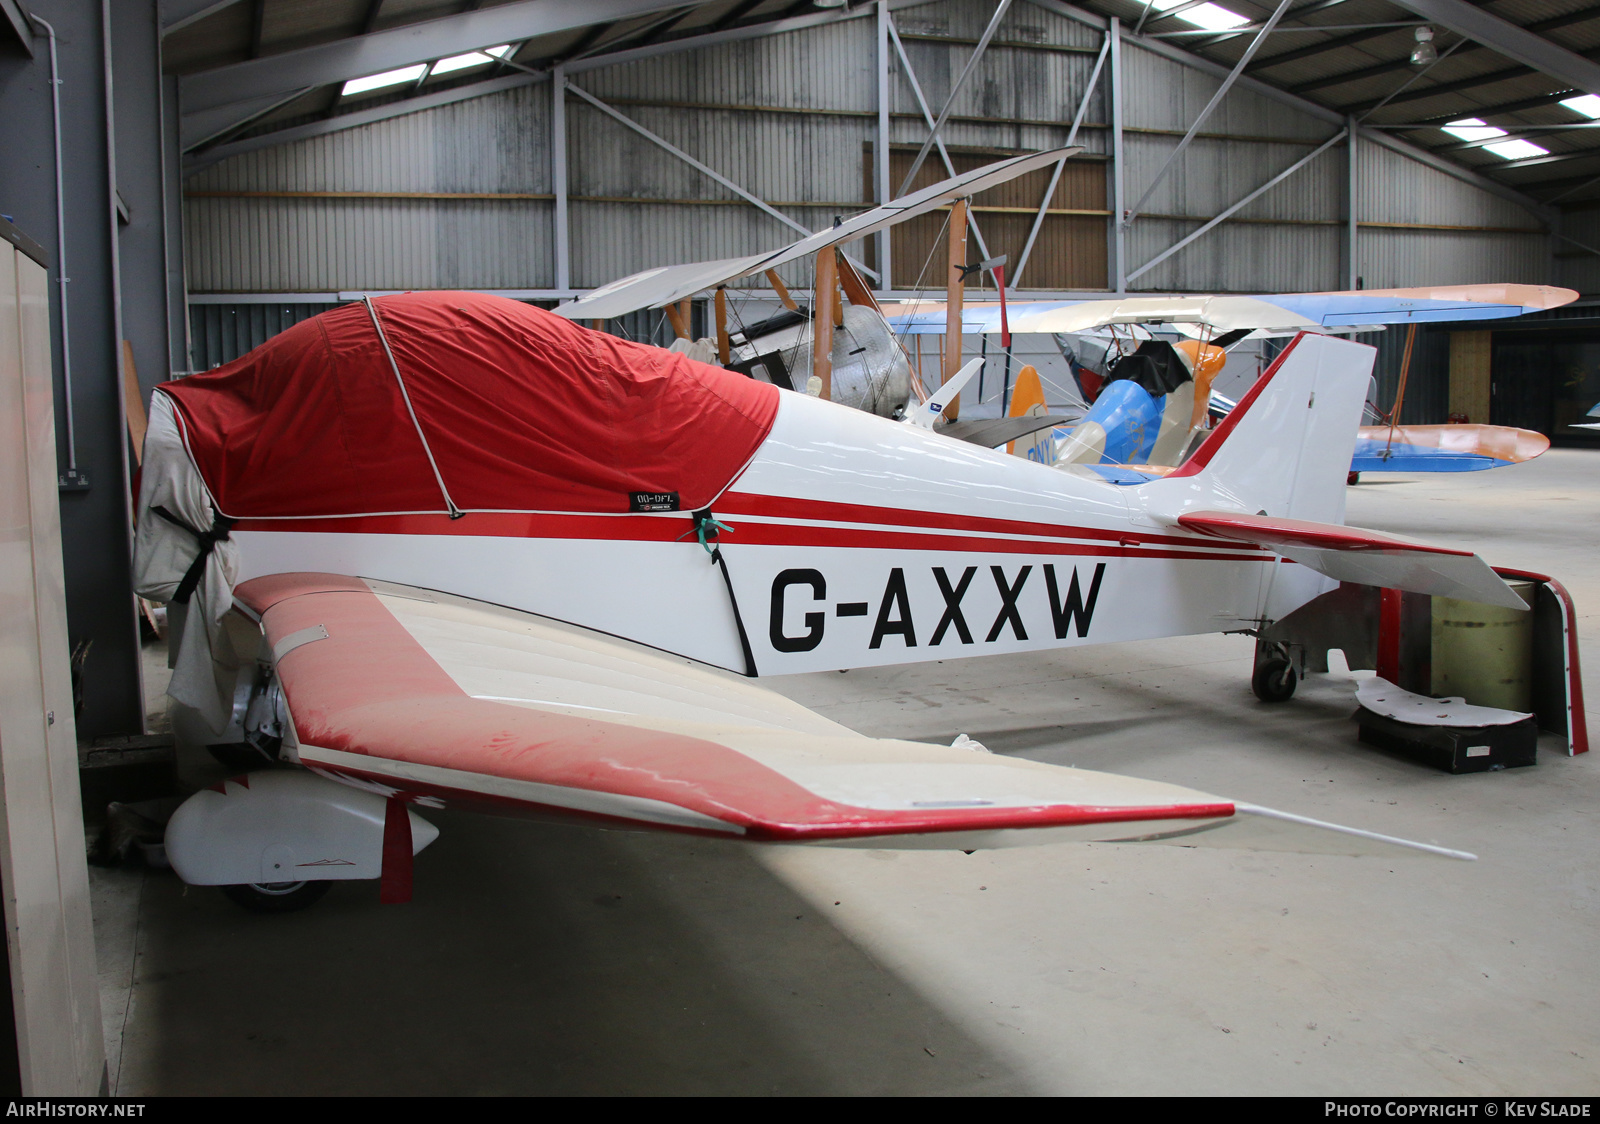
706	528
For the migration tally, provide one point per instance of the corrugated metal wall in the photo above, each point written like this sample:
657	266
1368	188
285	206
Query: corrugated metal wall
220	333
1401	191
277	243
793	119
1579	268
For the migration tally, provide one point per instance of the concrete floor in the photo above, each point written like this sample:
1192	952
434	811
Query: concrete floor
561	960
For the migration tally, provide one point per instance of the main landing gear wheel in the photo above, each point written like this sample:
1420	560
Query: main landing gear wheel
1274	680
277	897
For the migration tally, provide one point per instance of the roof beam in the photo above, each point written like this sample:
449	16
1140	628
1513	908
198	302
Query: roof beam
422	102
357	57
1395	65
195	129
1553	158
1314	49
417	104
1488	111
1294	13
1310	108
181	13
1505	38
1422	93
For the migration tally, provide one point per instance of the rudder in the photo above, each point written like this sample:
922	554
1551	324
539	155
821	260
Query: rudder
1285	449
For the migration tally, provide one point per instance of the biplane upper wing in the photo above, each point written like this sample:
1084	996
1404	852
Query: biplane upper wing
654	288
1284	313
445	699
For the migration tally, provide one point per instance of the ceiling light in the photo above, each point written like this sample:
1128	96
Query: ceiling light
1471	129
1424	53
1211	17
1586	104
387	78
1516	149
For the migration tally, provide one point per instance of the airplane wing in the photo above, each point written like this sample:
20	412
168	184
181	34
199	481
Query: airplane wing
1061	317
991	433
1351	554
657	287
456	702
654	288
1422	305
1282	313
1443	448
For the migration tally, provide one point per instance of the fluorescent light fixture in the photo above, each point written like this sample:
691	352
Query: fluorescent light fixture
471	58
1472	129
387	78
1211	17
1586	104
1516	149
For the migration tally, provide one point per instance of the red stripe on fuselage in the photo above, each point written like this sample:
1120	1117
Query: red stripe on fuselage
887	529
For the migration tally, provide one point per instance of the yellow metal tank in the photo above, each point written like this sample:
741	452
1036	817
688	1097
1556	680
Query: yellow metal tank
1484	653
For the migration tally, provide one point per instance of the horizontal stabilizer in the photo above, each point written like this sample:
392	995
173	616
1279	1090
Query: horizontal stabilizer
1350	554
991	433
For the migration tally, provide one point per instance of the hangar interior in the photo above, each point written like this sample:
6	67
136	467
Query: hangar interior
191	178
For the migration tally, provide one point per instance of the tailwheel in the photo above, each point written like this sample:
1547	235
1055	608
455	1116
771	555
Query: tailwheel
276	897
1274	679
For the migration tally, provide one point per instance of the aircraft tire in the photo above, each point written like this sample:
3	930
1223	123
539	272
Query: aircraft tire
1353	478
1274	681
277	897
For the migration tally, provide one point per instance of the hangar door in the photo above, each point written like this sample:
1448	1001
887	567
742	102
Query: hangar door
53	1003
1069	254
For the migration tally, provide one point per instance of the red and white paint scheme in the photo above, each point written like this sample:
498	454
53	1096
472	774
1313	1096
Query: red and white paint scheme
496	559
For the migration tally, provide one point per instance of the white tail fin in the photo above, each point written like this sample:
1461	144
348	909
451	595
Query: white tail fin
1285	449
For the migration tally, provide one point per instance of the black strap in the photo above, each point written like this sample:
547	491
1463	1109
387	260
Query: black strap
220	526
707	529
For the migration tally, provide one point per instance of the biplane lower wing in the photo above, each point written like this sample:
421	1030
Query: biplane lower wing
1443	448
442	700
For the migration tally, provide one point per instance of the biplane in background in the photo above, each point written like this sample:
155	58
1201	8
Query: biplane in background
1151	391
1158	402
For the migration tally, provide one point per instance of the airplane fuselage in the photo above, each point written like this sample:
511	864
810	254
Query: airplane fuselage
852	541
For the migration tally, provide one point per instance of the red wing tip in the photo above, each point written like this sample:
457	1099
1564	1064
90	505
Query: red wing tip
889	824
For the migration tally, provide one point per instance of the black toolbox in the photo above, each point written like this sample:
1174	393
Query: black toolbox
1455	749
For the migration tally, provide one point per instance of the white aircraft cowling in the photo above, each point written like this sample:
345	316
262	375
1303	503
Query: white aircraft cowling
280	826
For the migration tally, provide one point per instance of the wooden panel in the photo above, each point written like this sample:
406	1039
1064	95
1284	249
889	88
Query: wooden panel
49	932
1469	375
1070	252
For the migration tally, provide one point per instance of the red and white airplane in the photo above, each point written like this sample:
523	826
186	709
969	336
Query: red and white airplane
449	549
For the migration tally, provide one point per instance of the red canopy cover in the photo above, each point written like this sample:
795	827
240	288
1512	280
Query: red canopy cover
522	410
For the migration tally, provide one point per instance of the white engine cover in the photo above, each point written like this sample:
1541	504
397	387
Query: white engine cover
282	826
